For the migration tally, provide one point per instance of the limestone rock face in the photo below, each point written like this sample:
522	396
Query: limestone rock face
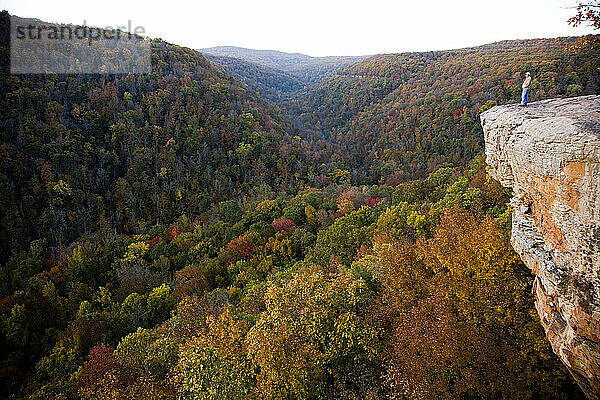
549	153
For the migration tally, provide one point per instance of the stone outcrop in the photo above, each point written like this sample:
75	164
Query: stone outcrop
549	153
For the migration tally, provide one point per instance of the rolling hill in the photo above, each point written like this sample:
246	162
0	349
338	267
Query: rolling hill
306	68
272	84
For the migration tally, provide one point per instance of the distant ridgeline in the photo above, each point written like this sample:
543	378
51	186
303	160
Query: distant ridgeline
272	68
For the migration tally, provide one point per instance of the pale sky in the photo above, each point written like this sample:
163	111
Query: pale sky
319	27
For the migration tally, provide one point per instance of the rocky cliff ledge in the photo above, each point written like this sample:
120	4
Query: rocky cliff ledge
549	153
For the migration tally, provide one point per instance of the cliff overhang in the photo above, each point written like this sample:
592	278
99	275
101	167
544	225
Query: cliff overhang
549	153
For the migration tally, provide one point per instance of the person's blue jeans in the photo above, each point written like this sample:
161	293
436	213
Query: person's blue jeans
525	96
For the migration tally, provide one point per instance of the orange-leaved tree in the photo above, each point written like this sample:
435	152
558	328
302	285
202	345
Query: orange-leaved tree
587	12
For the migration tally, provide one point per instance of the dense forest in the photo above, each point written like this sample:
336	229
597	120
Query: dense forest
177	235
272	84
89	152
397	117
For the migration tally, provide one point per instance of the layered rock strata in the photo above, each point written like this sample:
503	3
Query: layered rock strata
549	153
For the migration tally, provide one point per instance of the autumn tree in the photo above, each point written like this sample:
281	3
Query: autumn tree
464	294
313	341
214	364
588	12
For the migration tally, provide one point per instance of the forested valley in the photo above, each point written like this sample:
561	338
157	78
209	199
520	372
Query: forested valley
227	229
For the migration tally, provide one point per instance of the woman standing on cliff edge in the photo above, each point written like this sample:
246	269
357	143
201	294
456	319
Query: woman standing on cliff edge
526	83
